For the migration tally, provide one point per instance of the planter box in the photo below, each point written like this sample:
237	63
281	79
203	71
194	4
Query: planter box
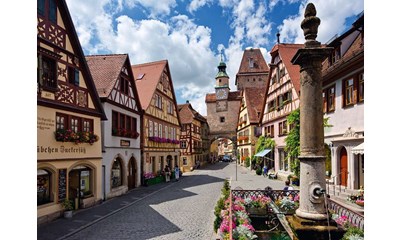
257	211
155	180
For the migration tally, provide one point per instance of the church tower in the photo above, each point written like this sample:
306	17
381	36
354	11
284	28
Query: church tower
222	87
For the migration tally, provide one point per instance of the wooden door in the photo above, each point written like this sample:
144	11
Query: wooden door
132	174
343	167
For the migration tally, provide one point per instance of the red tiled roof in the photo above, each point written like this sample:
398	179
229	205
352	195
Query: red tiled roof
260	66
105	70
286	53
254	98
355	50
187	114
147	84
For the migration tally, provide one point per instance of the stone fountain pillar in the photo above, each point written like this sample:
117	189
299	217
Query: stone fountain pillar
311	219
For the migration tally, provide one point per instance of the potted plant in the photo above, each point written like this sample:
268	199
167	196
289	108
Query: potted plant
68	207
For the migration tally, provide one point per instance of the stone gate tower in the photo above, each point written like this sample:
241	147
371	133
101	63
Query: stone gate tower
223	107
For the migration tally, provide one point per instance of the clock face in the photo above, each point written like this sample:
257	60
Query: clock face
221	94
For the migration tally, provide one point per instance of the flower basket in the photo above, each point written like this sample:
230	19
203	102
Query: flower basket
257	211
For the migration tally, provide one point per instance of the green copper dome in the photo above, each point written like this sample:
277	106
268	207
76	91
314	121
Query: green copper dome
221	70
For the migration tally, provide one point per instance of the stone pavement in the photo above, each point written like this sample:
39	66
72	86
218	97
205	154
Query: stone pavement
62	228
83	219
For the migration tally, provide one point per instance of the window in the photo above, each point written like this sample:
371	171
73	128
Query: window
272	105
331	99
222	119
124	125
155	129
44	187
283	128
174	137
335	56
283	161
348	92
151	128
269	131
76	124
183	144
47	9
47	73
73	76
184	160
251	63
116	173
160	130
158	101
361	87
170	107
166	131
124	85
273	79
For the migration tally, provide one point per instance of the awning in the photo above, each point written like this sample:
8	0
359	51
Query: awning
263	153
359	149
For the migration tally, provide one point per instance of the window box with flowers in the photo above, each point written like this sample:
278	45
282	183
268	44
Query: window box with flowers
67	135
122	132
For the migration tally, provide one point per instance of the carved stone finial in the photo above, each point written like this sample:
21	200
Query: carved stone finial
310	24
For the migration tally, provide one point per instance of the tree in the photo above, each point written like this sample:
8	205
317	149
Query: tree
262	144
293	141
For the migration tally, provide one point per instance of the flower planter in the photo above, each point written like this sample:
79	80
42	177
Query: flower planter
257	211
153	181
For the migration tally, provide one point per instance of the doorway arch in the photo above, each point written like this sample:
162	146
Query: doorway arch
343	166
132	173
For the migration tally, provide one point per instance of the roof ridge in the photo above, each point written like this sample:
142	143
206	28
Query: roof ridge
150	63
105	55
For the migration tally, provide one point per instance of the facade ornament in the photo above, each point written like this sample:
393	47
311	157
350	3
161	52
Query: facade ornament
350	133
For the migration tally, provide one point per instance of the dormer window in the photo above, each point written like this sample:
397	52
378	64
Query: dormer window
335	56
251	63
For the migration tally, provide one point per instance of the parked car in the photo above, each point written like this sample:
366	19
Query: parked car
226	158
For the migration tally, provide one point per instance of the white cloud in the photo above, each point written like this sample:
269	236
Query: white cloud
273	3
196	4
157	7
332	20
185	45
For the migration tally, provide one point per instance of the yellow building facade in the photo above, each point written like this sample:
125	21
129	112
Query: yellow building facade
69	117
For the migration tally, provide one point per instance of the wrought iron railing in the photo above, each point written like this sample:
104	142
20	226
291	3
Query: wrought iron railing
354	218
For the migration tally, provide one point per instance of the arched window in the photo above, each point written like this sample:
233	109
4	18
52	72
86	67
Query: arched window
116	173
44	185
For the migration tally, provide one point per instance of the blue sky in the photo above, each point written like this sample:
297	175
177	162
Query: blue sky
191	34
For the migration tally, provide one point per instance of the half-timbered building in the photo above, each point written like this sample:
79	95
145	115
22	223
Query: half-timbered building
249	118
282	97
113	77
161	125
69	115
343	94
194	143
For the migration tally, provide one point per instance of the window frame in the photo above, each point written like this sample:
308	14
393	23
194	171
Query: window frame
348	89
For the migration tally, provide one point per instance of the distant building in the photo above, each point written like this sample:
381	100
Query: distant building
282	98
69	115
194	138
343	93
253	71
222	107
116	87
249	117
161	127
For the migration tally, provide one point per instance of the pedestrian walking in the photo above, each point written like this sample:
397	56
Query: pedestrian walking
167	171
265	170
176	173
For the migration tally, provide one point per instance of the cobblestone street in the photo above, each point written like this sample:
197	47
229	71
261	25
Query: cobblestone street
177	210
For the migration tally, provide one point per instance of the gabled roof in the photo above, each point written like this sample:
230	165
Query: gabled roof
260	66
232	96
105	70
150	74
254	98
187	114
76	45
286	53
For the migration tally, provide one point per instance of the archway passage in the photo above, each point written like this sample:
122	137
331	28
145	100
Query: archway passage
132	171
343	167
